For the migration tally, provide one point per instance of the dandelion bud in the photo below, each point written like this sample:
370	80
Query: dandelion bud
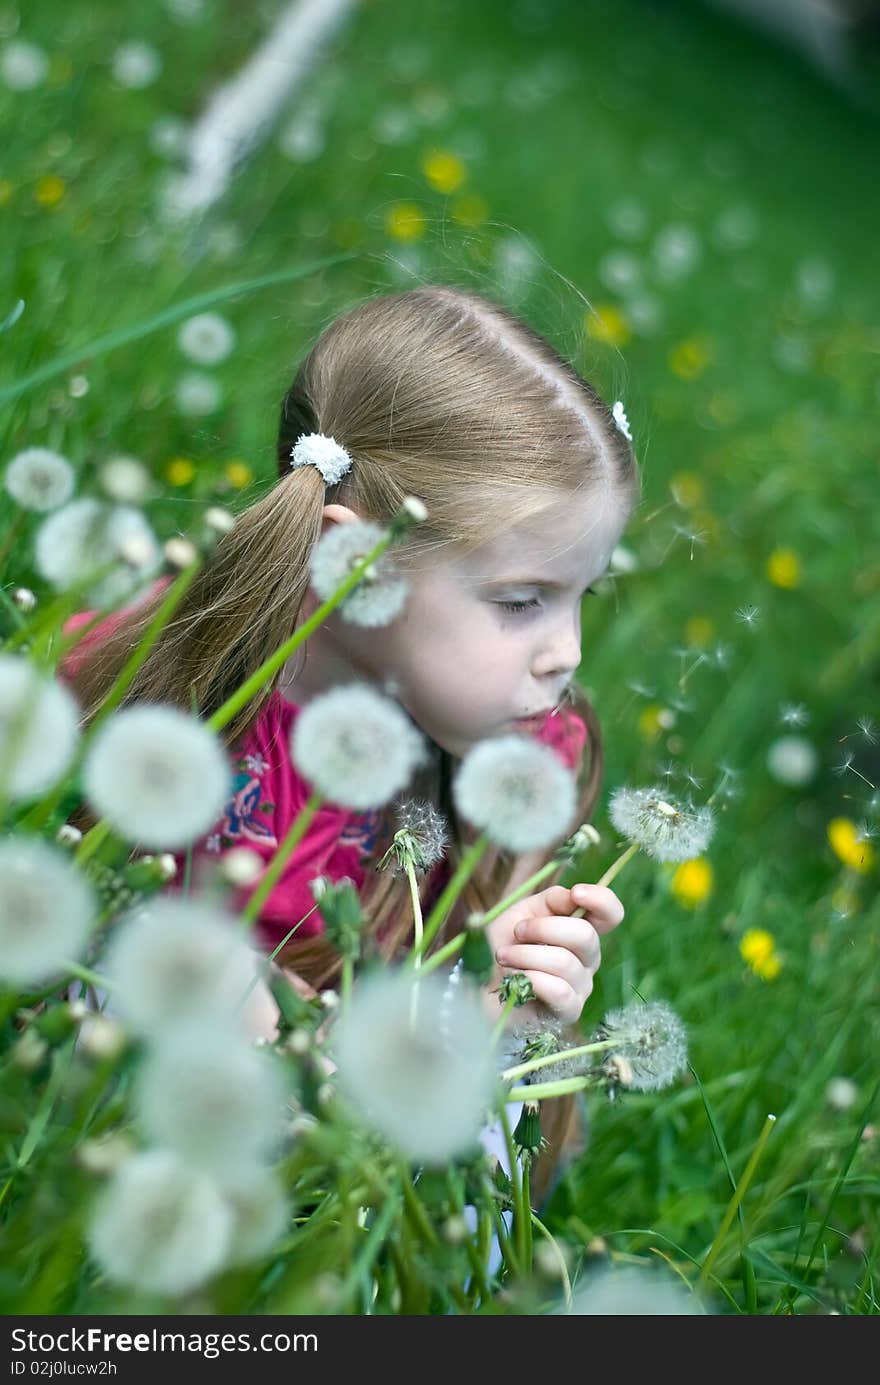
527	1135
105	1156
102	1037
78	1011
841	1093
343	918
299	1042
29	1051
180	552
241	866
136	549
415	508
518	985
325	1094
56	1023
455	1230
24	599
477	957
579	842
319	886
329	999
68	835
218	519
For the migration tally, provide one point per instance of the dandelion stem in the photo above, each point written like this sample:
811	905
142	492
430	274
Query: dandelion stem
738	1195
501	1022
91	978
528	887
519	1209
443	954
418	929
291	840
269	667
526	1224
614	869
450	894
563	1267
542	1091
564	1054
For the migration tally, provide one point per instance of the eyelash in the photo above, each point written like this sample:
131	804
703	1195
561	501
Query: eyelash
520	607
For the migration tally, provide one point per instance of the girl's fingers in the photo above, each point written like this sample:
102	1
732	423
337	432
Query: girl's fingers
558	995
575	937
602	905
554	961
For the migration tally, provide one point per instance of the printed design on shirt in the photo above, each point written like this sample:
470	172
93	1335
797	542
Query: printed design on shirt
239	822
362	833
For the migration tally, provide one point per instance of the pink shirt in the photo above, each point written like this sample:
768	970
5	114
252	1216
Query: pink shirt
268	792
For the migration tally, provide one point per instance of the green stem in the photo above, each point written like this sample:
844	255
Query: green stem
534	1064
542	1091
92	978
442	954
500	1023
516	1184
292	838
461	875
614	869
733	1204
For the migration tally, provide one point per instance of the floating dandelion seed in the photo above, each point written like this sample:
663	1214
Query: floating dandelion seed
357	747
39	479
662	826
652	1038
517	791
793	714
845	764
868	728
692	778
748	615
160	1225
381	592
641	689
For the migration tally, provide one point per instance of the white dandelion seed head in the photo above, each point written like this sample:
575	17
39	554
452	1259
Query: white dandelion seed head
629	1292
23	65
517	791
197	394
158	774
207	338
160	1225
424	1093
653	1040
39	479
175	956
663	826
46	910
426	831
24	599
125	480
87	534
260	1210
101	1036
136	65
39	728
380	594
792	760
357	747
841	1093
212	1096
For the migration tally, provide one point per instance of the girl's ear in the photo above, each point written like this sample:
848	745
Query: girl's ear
339	514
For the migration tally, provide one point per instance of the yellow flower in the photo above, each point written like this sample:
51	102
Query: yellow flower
649	725
238	473
756	946
179	471
699	630
49	190
769	969
692	882
444	170
470	210
607	323
687	488
6	191
784	567
405	221
843	836
690	358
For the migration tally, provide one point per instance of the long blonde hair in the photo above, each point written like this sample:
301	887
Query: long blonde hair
436	392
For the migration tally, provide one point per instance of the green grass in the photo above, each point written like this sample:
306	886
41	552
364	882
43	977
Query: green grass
755	380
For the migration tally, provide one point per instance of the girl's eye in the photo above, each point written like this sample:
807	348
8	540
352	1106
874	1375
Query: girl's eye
517	607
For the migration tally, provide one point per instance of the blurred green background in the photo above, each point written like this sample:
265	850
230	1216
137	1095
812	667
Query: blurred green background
687	208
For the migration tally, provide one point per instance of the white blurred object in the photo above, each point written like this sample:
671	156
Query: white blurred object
822	29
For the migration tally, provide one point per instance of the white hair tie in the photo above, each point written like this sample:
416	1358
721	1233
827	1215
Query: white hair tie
329	456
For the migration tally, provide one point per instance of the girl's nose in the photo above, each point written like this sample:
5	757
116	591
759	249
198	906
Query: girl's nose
562	654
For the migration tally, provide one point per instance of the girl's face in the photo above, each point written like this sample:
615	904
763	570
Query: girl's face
483	640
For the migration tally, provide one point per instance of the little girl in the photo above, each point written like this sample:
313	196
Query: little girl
529	480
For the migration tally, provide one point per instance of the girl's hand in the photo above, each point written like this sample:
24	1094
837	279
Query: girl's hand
559	955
